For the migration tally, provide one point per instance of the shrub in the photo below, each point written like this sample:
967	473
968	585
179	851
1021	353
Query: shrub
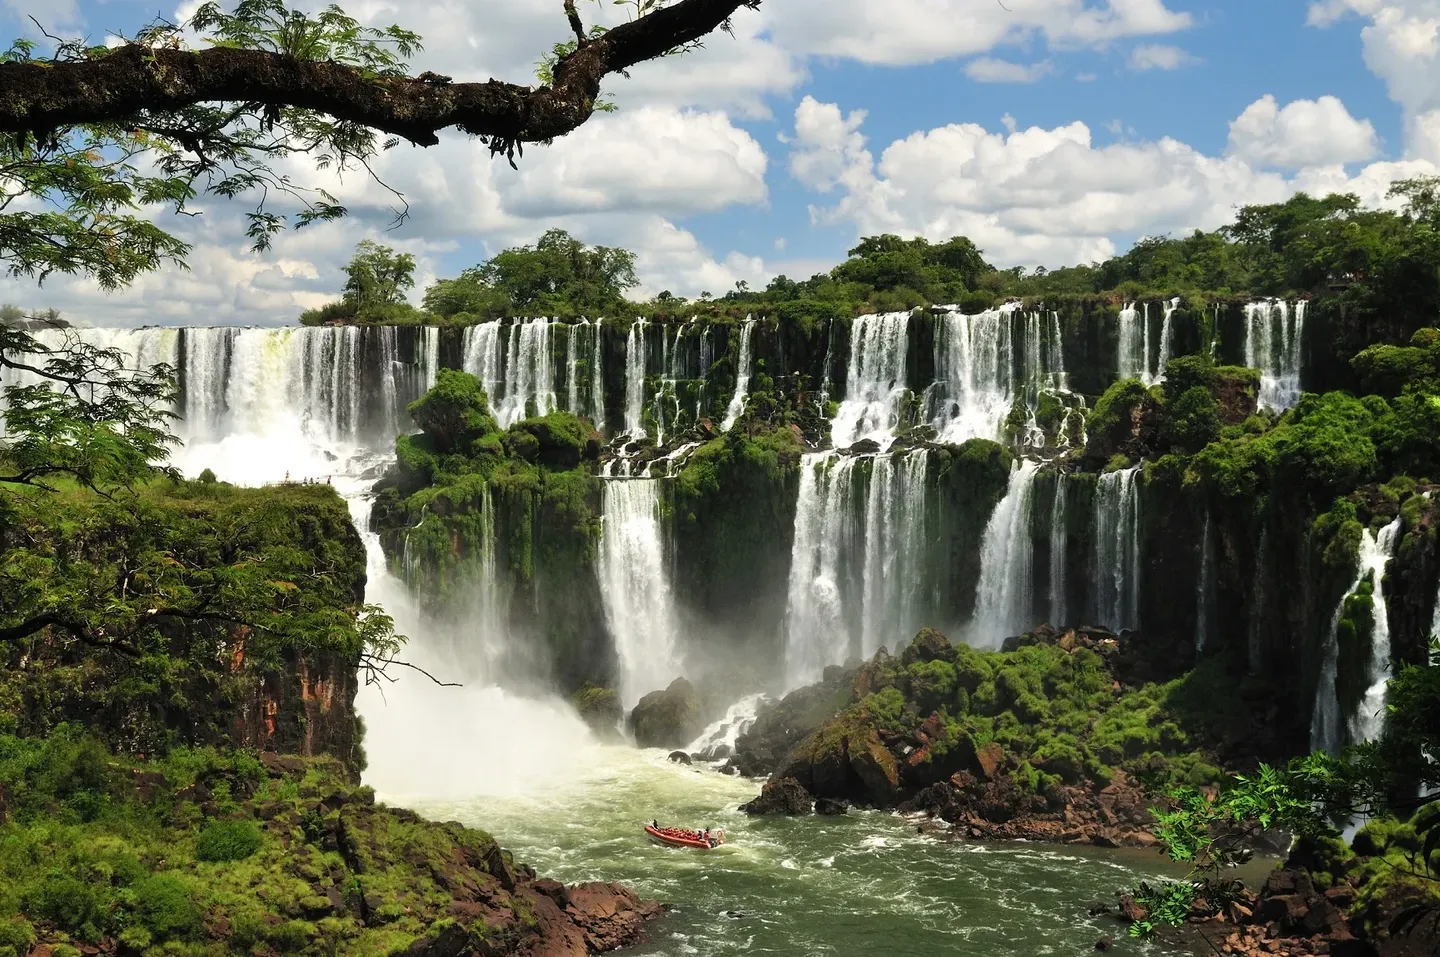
16	937
166	908
207	477
72	904
228	841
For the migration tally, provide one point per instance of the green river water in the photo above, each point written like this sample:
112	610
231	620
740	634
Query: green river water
864	884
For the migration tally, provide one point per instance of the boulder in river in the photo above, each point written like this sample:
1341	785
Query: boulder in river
785	796
669	718
599	708
680	757
830	807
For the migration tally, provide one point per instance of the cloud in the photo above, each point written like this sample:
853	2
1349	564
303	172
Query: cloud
1401	45
900	32
1159	56
1042	196
1304	133
990	70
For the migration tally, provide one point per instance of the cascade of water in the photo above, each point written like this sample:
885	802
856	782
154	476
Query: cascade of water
672	369
1117	550
1327	726
529	374
1055	355
572	365
207	368
1145	374
975	373
1165	337
1273	333
483	356
875	382
894	534
717	742
742	376
635	586
1059	543
1369	720
635	379
597	378
706	357
1004	595
1435	619
826	379
1130	362
1205	587
826	536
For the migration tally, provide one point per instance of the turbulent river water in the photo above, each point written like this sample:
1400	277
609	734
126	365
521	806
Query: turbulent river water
527	770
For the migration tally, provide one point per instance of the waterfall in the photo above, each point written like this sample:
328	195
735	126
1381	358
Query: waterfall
1205	587
974	375
742	376
635	586
875	381
597	379
894	534
1435	618
672	369
572	365
207	370
1130	361
1117	550
1165	337
817	625
482	355
1055	355
826	373
1328	729
1273	331
857	561
635	379
706	358
529	374
1059	542
1003	598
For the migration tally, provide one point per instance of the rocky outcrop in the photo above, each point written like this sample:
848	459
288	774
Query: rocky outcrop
783	796
667	719
599	708
781	726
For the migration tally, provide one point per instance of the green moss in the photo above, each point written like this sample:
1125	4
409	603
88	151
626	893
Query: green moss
228	841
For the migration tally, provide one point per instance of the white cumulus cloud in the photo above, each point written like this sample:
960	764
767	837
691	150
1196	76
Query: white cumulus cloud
1303	133
1159	56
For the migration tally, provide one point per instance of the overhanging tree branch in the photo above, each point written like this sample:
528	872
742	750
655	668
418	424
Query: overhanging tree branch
137	79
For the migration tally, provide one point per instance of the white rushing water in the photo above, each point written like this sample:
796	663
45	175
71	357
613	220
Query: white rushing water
717	741
635	587
1059	547
1329	729
742	376
1273	331
1004	595
635	379
573	357
1136	347
857	561
875	382
672	369
983	362
1116	581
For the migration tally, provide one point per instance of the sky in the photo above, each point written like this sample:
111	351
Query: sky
1050	132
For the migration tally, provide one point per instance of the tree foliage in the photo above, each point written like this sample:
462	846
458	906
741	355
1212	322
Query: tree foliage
101	138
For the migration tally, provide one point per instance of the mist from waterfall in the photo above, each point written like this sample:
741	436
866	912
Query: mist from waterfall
1116	580
635	586
1059	546
1004	598
1273	332
742	376
875	383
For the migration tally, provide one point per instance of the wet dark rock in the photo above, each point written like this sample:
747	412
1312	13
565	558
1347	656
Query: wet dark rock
784	796
830	807
669	718
680	757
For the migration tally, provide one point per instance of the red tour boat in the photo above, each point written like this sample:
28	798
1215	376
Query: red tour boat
684	837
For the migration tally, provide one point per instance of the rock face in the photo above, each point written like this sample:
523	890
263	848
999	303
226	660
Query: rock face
781	726
669	718
784	796
599	708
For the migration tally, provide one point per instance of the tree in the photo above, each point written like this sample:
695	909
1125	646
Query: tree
103	134
377	275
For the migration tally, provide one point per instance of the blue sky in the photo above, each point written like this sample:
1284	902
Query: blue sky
824	120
